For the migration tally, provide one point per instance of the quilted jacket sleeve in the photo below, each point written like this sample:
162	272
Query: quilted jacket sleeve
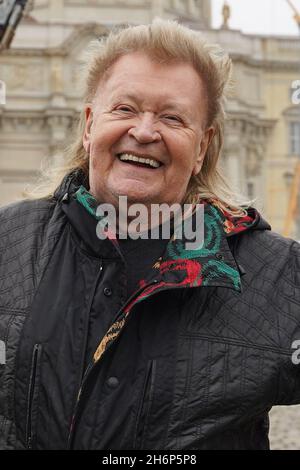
29	231
287	298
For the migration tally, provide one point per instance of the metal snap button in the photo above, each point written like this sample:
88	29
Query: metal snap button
219	256
107	291
112	382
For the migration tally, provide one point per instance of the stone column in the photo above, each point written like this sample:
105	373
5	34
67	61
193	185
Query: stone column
235	156
57	83
56	10
192	8
235	170
59	123
157	8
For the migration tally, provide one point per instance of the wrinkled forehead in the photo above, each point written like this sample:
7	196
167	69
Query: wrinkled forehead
135	63
138	76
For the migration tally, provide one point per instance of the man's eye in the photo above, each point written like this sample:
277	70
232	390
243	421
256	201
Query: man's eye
124	108
173	118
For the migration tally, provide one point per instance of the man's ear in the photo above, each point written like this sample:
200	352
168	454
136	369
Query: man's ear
204	144
86	140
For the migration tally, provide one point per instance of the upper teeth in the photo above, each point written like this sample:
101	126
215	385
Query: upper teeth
148	161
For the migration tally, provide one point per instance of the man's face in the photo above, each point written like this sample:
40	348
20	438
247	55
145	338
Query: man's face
151	111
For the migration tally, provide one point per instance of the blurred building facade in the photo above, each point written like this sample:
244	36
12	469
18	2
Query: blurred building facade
40	72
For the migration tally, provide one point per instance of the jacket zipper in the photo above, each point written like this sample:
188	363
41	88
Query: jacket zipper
31	392
82	371
91	366
145	406
86	324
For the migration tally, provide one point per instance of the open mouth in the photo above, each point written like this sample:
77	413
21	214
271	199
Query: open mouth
145	162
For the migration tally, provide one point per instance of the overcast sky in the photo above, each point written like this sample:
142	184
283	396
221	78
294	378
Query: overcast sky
259	16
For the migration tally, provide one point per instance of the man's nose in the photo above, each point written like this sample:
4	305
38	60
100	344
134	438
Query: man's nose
145	131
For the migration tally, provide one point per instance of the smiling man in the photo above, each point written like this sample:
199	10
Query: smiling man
140	342
150	135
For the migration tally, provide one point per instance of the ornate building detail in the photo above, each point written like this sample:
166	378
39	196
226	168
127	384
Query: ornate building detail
246	142
43	98
23	77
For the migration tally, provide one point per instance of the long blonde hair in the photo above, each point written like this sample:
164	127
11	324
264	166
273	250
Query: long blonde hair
162	41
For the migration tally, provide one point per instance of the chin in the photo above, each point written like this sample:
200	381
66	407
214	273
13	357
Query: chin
136	194
138	198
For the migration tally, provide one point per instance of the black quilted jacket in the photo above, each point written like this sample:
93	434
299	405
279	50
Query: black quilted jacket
194	360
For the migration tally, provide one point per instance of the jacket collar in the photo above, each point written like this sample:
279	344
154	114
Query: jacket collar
213	264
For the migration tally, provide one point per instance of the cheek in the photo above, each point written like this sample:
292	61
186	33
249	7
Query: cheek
183	158
94	163
107	134
102	147
93	170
